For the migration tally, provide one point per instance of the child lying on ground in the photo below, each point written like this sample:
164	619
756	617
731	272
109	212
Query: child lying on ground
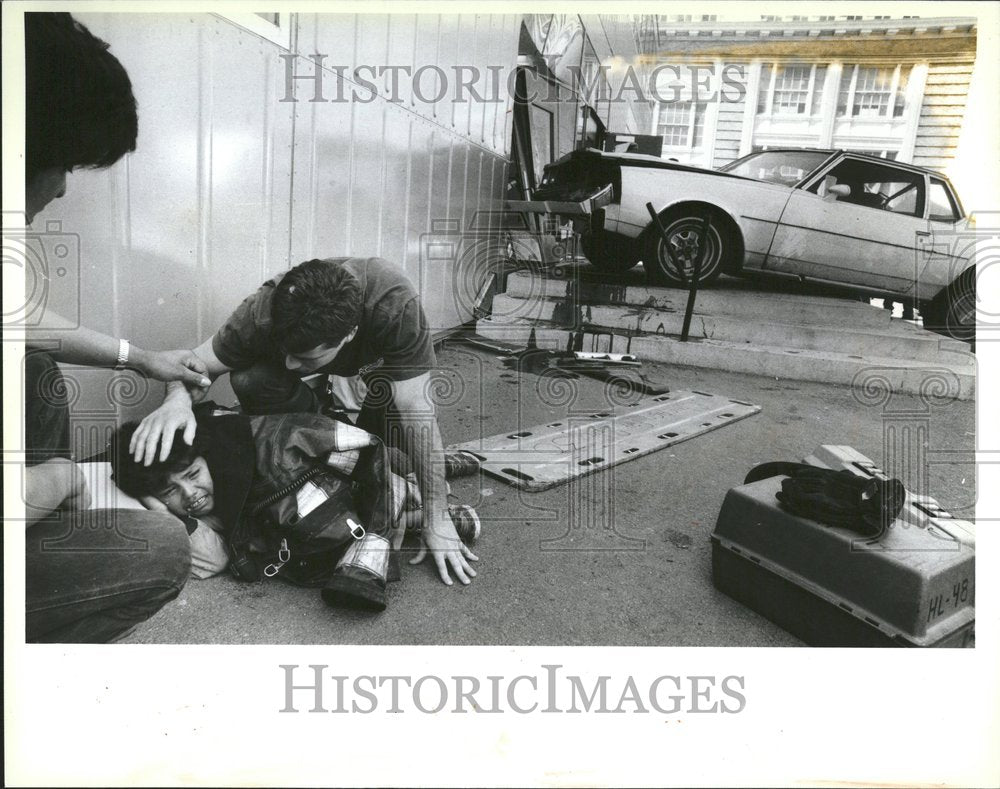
302	496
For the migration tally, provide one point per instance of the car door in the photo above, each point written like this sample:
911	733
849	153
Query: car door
867	236
948	252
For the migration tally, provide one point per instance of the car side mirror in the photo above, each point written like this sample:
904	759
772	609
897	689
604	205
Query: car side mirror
837	191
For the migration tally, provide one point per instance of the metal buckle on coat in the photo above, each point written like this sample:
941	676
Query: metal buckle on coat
283	556
357	530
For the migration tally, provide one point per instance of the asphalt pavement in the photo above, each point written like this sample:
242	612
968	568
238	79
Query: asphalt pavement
628	563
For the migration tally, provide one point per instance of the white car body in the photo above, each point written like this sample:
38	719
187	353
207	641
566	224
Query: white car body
799	228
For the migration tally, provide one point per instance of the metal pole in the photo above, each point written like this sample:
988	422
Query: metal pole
696	274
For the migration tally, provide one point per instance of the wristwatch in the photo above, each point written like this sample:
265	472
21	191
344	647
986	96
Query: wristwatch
123	349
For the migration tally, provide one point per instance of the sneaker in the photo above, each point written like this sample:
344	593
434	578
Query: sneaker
460	464
466	520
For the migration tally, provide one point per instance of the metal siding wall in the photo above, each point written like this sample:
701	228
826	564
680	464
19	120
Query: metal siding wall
382	178
229	185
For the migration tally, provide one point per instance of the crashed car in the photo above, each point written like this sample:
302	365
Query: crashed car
879	227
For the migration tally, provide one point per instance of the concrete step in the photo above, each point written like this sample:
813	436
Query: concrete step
869	375
898	339
714	300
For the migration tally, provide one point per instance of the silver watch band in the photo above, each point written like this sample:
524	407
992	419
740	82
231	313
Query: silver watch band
123	349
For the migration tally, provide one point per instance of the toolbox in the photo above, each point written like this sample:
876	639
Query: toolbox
914	585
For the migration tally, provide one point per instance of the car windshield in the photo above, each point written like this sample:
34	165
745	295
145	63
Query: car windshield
777	167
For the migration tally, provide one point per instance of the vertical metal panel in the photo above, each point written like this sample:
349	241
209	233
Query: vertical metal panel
435	281
160	293
302	208
461	61
460	181
396	186
276	184
426	54
418	199
333	35
449	42
402	37
203	175
420	193
321	180
365	195
371	45
239	138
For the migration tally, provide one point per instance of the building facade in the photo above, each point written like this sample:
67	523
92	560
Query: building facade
892	87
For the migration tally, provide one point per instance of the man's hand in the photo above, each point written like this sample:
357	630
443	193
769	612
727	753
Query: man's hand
184	366
440	538
55	484
159	427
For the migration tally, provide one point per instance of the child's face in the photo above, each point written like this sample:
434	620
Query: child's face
189	491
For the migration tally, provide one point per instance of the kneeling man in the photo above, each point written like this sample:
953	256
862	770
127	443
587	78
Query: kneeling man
358	319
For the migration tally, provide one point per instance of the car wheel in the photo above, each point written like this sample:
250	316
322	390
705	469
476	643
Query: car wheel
953	312
683	229
610	252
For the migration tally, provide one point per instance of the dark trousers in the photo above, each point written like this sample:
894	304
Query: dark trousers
271	388
90	576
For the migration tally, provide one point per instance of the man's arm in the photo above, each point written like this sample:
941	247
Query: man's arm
158	428
422	441
73	344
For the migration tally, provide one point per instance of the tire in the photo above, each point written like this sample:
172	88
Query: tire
953	312
683	228
610	252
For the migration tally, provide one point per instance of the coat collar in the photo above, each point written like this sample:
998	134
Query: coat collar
231	458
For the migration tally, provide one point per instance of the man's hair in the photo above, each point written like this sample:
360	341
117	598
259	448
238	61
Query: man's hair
316	302
138	480
80	111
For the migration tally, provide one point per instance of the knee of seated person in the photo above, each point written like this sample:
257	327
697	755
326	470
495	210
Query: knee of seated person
169	549
43	378
39	361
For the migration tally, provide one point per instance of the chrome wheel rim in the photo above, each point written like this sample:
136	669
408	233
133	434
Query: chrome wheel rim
683	238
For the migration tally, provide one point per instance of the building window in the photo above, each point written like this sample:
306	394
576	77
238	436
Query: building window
274	27
791	89
682	124
872	91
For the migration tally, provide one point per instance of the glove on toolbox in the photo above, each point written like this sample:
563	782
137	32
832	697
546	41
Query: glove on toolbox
878	572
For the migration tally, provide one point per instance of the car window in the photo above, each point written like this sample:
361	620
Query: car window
777	167
942	206
878	186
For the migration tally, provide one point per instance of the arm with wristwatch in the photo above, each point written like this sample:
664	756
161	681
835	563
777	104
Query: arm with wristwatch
53	484
71	344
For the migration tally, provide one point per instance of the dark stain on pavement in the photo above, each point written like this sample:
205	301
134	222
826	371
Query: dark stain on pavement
677	538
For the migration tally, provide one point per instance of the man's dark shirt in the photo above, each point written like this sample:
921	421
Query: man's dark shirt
392	337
